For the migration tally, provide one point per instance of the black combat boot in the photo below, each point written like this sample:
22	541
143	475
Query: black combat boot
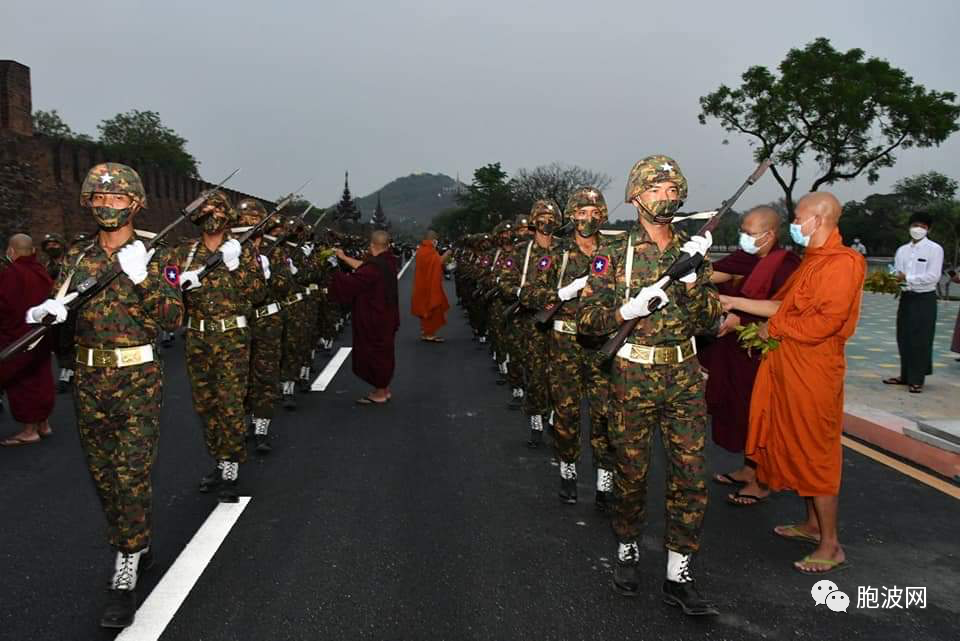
211	480
626	574
568	483
680	590
604	500
121	605
228	486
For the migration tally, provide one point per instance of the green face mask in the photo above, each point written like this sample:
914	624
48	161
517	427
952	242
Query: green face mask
213	224
659	212
110	219
588	227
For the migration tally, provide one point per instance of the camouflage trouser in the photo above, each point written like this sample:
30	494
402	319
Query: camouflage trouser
118	416
495	329
532	341
513	341
326	318
266	347
642	398
294	326
577	373
218	364
311	332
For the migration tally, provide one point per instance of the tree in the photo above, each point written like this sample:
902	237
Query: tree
49	123
847	112
142	139
555	181
934	193
485	202
878	221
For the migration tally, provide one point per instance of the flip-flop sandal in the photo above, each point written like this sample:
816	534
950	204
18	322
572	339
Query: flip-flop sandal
366	400
831	565
726	479
434	339
794	533
17	441
895	380
916	389
756	500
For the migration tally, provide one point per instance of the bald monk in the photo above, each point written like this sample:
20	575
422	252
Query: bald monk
758	269
371	291
429	300
796	411
27	377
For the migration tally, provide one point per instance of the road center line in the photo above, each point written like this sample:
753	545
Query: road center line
403	269
158	610
330	370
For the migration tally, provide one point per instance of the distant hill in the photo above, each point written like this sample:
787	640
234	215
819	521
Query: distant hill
417	197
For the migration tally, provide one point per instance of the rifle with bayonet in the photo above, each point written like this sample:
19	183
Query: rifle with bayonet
217	257
682	266
93	286
515	307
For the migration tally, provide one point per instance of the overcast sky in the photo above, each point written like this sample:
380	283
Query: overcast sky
289	90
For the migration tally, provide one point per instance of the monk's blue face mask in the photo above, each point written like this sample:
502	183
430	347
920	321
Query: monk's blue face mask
749	244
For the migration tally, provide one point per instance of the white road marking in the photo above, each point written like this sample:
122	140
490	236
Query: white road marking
330	370
158	610
403	269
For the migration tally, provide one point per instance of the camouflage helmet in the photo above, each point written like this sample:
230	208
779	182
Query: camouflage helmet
52	238
220	200
82	237
586	197
112	178
522	222
545	206
250	212
652	170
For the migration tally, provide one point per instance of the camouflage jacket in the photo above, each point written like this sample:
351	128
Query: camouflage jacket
281	283
689	312
566	263
123	314
512	272
222	293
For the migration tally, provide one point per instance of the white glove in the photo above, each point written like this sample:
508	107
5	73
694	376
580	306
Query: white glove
265	265
332	261
190	280
51	307
133	261
639	305
231	253
689	279
293	268
571	291
698	244
307	249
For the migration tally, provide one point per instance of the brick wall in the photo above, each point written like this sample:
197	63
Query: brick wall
40	177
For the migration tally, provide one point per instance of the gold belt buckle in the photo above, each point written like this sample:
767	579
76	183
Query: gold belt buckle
104	358
130	356
229	323
665	355
641	353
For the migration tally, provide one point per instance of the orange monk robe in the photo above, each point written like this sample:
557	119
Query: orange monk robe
429	300
796	411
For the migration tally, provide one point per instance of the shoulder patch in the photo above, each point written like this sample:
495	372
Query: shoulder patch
600	265
508	263
171	274
544	263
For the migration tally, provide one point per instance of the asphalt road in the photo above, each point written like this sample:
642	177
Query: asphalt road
429	519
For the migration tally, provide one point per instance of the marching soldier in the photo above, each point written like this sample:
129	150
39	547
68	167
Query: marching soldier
656	380
219	309
266	336
119	379
297	316
529	260
575	369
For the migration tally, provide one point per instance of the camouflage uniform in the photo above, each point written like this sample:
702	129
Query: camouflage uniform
118	407
665	393
218	341
575	369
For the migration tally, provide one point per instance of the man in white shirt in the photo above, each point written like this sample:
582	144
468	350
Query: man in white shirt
918	265
858	246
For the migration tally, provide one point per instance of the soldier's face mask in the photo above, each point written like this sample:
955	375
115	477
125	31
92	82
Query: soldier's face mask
112	211
588	221
214	222
658	212
54	251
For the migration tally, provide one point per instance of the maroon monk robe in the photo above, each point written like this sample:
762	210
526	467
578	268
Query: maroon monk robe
731	370
371	291
27	378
